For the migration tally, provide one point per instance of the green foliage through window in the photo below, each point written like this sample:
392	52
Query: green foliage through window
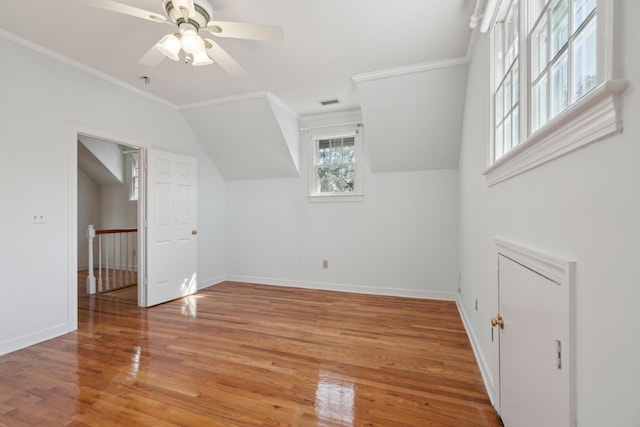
336	165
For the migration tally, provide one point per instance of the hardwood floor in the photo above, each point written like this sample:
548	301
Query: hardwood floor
238	354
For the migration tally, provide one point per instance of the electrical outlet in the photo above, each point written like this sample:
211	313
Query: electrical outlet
325	263
37	219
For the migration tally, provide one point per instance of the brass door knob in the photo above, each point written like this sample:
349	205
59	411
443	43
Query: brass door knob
194	232
498	320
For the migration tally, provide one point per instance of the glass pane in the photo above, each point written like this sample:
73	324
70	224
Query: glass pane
583	73
511	34
336	151
326	185
507	134
515	138
499	151
515	83
581	10
507	94
539	104
349	185
539	49
499	106
324	152
348	154
322	172
349	172
560	84
535	9
559	26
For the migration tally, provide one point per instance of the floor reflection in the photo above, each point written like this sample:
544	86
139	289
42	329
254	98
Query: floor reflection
335	399
189	306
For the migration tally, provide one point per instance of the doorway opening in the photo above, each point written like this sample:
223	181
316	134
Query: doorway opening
109	211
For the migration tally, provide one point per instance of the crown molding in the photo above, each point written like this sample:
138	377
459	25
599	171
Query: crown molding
409	69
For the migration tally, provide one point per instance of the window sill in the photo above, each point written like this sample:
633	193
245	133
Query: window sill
336	198
593	118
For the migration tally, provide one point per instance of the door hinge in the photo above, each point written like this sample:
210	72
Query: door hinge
559	353
144	282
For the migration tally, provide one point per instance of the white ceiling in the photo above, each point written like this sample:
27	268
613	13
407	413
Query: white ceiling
326	42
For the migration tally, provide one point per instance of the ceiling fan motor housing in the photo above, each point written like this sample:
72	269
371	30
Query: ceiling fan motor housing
203	14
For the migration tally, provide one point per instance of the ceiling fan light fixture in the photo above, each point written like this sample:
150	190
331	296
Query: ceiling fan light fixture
201	58
170	45
191	42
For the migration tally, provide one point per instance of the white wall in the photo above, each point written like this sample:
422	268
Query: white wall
116	211
401	240
44	99
583	207
88	213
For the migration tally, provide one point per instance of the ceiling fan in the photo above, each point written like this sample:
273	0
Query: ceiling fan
191	18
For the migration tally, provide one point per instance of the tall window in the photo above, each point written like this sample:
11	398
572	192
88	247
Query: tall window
336	168
507	76
552	91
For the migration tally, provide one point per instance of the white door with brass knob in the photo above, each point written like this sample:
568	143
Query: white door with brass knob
532	345
172	227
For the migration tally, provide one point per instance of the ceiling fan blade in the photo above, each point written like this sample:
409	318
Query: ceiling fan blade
152	58
225	61
240	30
126	10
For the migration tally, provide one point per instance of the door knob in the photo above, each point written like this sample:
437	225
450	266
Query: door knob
498	320
194	231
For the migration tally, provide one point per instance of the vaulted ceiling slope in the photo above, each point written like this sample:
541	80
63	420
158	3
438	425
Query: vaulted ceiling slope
413	117
101	160
249	137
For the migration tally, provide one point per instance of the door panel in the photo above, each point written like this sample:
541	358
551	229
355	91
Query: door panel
172	221
532	379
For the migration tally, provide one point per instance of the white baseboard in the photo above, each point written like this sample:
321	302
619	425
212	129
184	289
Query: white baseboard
409	293
487	377
202	284
33	338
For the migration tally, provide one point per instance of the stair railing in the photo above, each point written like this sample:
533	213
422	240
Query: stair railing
117	265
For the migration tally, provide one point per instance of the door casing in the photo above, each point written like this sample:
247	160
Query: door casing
75	129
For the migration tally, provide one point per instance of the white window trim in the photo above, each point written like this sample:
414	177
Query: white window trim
595	117
338	132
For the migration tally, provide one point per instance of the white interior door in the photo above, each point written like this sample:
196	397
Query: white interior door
171	227
533	371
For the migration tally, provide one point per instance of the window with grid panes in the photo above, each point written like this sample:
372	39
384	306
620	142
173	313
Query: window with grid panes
552	81
507	77
561	47
335	170
336	165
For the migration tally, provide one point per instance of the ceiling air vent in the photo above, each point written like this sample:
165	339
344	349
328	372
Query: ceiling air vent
329	102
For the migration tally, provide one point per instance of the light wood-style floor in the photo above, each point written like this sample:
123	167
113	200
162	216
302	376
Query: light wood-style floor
247	355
